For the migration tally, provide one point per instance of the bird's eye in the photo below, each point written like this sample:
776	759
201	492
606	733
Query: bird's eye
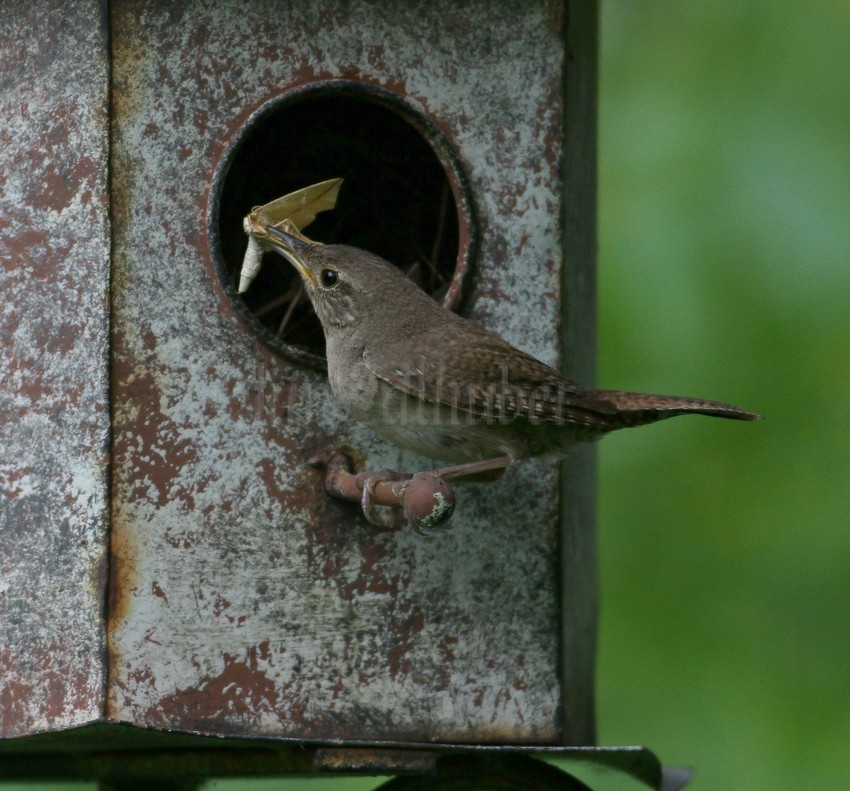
329	277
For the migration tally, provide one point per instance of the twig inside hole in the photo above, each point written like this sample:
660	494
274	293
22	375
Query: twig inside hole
289	311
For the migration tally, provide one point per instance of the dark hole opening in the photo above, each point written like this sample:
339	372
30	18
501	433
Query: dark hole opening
396	201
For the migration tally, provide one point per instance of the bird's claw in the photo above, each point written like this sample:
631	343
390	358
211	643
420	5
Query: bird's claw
425	499
392	517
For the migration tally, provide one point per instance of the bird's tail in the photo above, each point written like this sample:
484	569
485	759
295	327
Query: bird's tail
637	409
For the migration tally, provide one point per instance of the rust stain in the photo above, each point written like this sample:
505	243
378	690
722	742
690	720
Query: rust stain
123	582
62	184
400	648
238	690
158	591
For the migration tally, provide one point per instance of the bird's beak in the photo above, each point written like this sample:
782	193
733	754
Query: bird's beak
292	249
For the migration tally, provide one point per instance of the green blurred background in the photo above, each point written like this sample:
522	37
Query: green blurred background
724	272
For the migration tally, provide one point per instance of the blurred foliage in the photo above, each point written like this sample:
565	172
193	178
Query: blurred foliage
725	244
724	272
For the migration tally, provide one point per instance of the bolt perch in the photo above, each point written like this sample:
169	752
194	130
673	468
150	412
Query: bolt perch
425	498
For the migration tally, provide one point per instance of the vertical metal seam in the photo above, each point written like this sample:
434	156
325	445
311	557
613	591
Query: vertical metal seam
578	474
106	22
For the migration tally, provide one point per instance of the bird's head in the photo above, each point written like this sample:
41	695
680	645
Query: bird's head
346	284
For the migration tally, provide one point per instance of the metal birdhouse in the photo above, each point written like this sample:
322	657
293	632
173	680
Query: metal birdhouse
178	592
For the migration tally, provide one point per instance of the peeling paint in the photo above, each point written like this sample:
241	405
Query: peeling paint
54	415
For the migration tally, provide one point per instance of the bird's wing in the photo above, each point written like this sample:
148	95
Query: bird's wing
467	368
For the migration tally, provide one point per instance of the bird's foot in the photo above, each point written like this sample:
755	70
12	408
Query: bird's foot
368	481
425	498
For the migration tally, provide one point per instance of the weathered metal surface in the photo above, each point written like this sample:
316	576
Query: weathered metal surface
54	415
245	600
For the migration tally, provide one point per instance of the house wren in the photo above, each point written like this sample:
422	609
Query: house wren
442	386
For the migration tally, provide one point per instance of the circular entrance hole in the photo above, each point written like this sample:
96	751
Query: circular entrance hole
403	198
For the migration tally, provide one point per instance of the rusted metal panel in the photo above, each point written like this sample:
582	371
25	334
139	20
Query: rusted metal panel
54	415
245	601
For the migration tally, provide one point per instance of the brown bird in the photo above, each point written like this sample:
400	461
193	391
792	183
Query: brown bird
442	386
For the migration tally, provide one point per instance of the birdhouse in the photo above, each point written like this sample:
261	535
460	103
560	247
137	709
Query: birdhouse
172	568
